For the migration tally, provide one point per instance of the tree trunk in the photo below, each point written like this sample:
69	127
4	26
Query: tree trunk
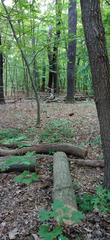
71	52
1	76
50	58
100	68
53	54
43	76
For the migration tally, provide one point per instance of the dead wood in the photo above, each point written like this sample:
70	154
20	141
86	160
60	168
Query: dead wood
47	148
88	163
20	167
10	145
62	186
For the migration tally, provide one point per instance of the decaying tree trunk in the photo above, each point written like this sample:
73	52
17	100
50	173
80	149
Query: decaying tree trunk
47	148
62	186
20	167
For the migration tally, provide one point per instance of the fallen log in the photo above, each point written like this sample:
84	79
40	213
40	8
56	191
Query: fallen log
88	163
20	167
47	148
62	186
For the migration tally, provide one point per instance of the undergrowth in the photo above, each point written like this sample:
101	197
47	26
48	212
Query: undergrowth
57	130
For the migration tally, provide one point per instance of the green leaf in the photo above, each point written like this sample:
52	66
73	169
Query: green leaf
77	217
57	204
26	177
44	215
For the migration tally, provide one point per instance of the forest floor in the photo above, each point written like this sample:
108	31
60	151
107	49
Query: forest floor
20	203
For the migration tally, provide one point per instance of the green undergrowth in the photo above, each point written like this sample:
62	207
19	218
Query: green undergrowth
28	159
57	130
100	200
14	136
59	213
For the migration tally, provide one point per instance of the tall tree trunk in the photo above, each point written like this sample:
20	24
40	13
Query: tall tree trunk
1	76
50	58
71	51
53	53
56	45
100	68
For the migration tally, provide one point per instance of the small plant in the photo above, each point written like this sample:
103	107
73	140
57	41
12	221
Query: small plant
26	177
9	133
100	200
96	141
12	135
85	202
57	130
59	213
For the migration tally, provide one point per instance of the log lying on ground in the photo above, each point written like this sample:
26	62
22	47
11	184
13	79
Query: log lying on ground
88	163
62	186
20	167
47	148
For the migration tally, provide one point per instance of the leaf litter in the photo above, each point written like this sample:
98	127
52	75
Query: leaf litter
20	204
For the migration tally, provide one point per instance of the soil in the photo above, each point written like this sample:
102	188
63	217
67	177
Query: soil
20	204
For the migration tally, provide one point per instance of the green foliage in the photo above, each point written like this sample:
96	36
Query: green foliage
27	159
96	141
26	177
85	202
9	133
100	200
59	212
13	136
57	130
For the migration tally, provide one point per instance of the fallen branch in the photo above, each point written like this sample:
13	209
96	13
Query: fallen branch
88	162
47	148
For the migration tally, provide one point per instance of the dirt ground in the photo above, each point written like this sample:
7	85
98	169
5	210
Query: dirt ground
20	204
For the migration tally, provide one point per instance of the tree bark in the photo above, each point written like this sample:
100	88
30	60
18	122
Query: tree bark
2	100
71	51
47	148
100	68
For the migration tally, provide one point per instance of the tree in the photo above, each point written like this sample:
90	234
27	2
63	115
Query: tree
71	51
53	53
1	74
24	57
100	69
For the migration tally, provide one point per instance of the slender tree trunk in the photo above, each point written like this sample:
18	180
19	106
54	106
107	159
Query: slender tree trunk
2	100
71	51
100	68
56	45
50	58
43	76
25	60
53	53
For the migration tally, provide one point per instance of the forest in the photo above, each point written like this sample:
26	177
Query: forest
54	120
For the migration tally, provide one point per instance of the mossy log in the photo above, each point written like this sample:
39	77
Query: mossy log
62	181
